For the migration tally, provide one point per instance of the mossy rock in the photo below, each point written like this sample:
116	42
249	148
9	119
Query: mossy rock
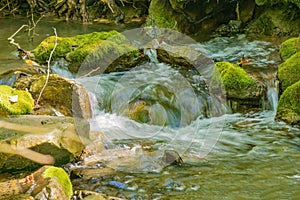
288	72
65	96
62	182
278	20
288	108
110	57
289	48
75	49
48	181
163	14
46	135
237	83
23	105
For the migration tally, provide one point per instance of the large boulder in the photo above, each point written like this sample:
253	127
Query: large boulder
288	109
27	142
288	72
14	102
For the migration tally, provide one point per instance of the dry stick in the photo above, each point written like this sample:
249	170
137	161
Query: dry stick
48	69
4	6
34	25
11	38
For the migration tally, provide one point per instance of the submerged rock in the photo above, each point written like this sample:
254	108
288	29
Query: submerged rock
28	141
63	95
46	183
288	108
138	111
14	102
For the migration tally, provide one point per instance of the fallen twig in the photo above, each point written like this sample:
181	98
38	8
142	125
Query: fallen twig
11	38
48	69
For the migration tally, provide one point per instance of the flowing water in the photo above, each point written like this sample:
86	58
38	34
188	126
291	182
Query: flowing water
228	156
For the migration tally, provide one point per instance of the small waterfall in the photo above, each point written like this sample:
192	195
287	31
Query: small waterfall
150	50
272	93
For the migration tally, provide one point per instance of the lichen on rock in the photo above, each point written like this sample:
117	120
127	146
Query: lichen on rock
22	105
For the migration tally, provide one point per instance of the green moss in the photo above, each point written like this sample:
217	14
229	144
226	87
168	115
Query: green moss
72	44
43	50
55	92
288	108
232	76
162	13
288	72
76	49
289	47
24	104
61	176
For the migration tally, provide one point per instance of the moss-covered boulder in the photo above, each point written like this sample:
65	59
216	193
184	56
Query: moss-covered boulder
76	49
27	142
163	14
288	108
14	102
47	182
288	72
275	18
289	48
238	85
190	16
66	96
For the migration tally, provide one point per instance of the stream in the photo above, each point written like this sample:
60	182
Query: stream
227	156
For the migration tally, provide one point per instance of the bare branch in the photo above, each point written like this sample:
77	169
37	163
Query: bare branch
11	38
48	68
